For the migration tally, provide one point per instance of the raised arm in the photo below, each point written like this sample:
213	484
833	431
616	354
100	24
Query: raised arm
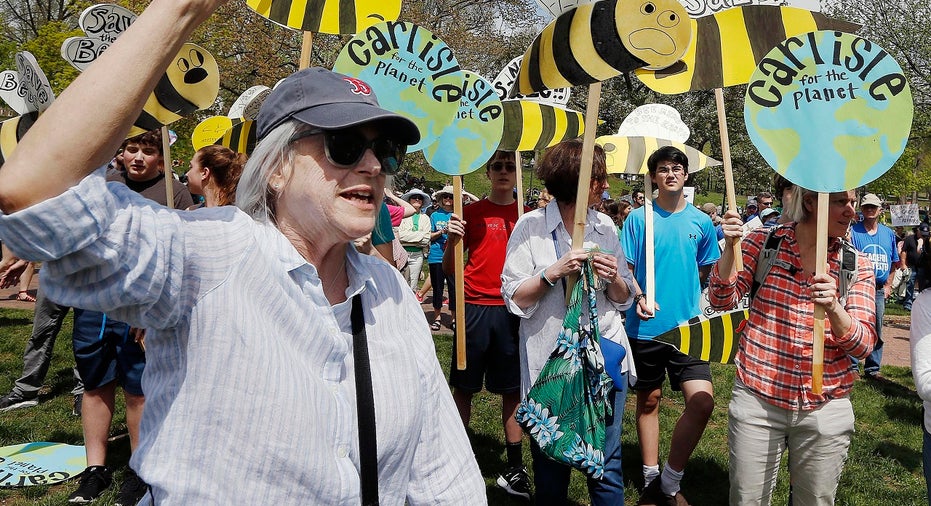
57	152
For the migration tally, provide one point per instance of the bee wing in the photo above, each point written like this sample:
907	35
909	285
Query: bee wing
628	155
530	125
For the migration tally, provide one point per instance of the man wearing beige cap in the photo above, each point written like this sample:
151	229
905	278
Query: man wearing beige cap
878	242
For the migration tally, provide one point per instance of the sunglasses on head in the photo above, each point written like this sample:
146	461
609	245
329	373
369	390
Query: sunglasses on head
345	148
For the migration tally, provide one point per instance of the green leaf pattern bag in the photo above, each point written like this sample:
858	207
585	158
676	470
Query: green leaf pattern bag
566	409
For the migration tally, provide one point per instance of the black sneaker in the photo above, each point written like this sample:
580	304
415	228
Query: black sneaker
515	482
653	495
94	480
14	400
77	404
132	491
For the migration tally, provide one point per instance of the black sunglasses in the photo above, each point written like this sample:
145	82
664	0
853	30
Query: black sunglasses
345	148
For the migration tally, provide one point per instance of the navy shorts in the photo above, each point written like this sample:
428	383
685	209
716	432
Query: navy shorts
654	360
104	352
492	351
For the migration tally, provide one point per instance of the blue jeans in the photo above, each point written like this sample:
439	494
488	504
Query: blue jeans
872	362
551	479
926	456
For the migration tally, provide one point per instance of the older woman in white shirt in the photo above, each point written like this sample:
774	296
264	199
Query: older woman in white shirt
539	260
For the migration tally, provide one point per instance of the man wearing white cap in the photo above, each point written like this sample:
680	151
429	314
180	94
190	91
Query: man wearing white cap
878	242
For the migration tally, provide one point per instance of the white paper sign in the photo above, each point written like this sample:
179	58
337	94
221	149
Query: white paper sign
505	81
247	105
33	85
9	92
699	8
655	120
904	215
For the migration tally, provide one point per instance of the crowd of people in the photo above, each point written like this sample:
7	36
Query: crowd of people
289	303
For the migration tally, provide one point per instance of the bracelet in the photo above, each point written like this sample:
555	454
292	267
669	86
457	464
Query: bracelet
545	279
638	297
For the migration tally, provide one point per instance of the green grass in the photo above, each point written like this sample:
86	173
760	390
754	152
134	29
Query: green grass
883	467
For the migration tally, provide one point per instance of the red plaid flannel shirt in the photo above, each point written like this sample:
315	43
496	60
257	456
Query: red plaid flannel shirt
774	355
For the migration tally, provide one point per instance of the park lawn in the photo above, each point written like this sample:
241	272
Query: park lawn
883	467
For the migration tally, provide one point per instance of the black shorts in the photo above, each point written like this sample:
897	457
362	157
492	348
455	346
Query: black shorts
492	351
105	352
654	360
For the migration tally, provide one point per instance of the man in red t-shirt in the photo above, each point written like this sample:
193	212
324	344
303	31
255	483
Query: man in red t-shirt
491	331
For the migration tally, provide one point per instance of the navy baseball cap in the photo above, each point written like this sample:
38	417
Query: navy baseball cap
331	101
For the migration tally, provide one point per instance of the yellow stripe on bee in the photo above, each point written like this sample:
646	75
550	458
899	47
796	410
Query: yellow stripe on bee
562	124
705	339
263	7
798	21
295	12
685	340
582	44
736	40
533	125
329	18
552	78
247	127
727	324
8	139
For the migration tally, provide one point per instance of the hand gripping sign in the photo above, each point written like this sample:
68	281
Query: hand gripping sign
830	111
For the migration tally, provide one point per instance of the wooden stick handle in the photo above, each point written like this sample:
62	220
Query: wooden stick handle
650	252
585	175
520	185
169	173
728	171
306	50
459	288
821	265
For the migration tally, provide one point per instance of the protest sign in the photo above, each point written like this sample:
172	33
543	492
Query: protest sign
9	91
102	24
508	76
628	155
412	72
345	17
728	44
30	464
474	136
33	85
594	42
210	130
655	120
904	215
530	125
701	8
248	104
830	111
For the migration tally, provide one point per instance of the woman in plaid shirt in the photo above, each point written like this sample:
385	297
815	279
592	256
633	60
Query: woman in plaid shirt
772	404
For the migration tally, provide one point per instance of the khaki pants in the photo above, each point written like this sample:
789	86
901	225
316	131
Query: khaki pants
759	433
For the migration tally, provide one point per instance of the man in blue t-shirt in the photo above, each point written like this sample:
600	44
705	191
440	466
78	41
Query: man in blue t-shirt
685	247
878	242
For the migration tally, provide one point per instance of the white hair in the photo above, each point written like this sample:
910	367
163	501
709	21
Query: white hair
254	195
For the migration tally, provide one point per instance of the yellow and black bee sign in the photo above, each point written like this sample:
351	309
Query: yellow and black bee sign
729	44
11	131
530	125
598	41
240	138
629	155
710	339
191	83
327	16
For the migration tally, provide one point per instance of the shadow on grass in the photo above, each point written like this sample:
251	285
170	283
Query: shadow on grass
10	322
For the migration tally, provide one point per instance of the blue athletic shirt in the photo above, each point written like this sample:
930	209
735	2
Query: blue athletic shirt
683	241
438	221
879	248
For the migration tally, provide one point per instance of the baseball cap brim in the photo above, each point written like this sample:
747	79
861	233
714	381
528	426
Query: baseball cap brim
335	116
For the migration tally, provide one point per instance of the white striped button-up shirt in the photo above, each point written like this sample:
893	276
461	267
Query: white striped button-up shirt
250	394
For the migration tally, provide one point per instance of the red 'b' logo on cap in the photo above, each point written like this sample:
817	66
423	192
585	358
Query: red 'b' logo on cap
359	87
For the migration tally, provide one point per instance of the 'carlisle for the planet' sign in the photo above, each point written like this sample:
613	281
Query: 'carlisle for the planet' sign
829	110
412	71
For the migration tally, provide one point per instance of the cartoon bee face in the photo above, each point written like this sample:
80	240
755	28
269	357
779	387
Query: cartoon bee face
190	83
655	31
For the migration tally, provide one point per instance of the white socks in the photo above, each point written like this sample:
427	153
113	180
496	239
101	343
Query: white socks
649	474
670	480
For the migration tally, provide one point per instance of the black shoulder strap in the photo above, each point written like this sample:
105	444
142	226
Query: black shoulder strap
365	407
765	260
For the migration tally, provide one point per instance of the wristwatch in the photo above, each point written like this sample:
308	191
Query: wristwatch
638	297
